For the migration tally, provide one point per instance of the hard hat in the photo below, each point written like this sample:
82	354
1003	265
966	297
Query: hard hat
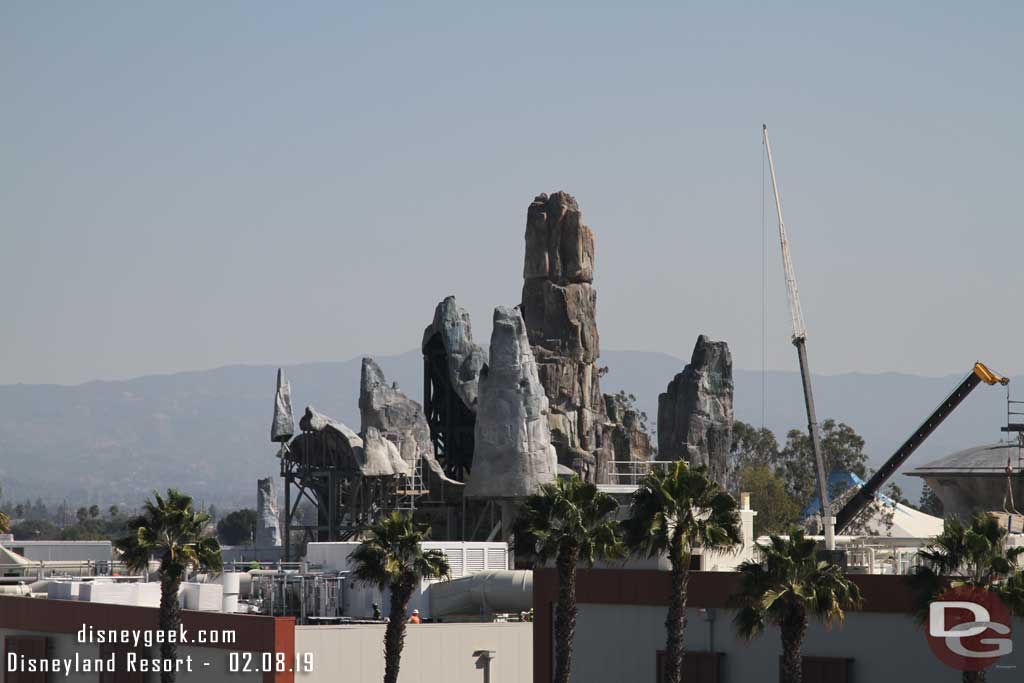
415	611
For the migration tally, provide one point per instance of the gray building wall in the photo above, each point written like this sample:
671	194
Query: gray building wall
618	644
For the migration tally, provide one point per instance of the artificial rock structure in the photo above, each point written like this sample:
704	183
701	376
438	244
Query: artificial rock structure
559	307
268	518
625	432
452	362
398	419
283	426
695	413
514	455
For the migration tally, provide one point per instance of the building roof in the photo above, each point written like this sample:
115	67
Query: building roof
978	460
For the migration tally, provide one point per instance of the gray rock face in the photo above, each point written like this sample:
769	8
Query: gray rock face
396	417
514	455
695	413
464	358
268	518
559	307
380	456
626	440
283	427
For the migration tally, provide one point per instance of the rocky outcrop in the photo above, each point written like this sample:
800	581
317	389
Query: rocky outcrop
695	413
625	441
283	426
395	416
463	359
380	456
559	307
514	455
451	369
268	518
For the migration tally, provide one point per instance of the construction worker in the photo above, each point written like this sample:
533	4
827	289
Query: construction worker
376	611
415	618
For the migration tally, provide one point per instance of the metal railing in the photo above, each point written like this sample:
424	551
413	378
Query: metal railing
630	472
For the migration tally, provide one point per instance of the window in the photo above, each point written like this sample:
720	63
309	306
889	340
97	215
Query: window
698	667
30	647
824	669
120	673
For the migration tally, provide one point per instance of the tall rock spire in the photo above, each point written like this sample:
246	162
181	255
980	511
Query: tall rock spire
695	413
283	426
514	456
559	307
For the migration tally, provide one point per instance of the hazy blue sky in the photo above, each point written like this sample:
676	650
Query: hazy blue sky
186	185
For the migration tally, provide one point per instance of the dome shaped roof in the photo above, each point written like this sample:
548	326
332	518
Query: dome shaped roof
988	459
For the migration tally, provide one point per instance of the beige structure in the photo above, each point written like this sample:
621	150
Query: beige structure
434	653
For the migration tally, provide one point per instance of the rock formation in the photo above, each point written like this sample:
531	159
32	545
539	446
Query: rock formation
559	307
695	413
395	416
268	519
451	369
514	455
283	427
625	438
463	358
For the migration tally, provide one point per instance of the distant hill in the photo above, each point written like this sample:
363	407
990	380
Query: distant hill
208	431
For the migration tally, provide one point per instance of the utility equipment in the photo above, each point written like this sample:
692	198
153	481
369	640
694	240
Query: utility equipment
866	493
800	342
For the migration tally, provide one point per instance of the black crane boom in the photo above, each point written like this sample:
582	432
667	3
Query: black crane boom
863	497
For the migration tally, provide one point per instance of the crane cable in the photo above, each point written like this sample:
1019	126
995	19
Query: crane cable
764	296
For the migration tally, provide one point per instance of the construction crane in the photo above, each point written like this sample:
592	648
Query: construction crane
866	494
800	342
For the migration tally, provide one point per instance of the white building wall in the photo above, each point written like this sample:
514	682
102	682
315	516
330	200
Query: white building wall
65	645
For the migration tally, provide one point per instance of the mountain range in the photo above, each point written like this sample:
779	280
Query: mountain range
207	431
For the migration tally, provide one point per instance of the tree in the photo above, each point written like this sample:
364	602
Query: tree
172	532
673	512
568	521
82	514
974	556
114	511
776	509
842	450
35	530
751	447
784	587
391	557
238	527
94	511
930	503
5	523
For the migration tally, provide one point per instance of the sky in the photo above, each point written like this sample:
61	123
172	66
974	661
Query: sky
189	185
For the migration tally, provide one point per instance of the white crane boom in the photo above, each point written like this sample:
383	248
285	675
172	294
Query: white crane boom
796	313
799	341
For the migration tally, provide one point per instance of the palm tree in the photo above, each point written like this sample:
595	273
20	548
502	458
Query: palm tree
974	556
391	557
5	523
784	587
567	521
173	533
673	512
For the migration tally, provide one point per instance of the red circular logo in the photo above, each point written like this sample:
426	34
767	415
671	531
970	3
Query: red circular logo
969	628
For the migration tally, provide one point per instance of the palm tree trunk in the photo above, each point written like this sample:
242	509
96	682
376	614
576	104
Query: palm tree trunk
675	623
565	613
793	628
394	634
170	620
